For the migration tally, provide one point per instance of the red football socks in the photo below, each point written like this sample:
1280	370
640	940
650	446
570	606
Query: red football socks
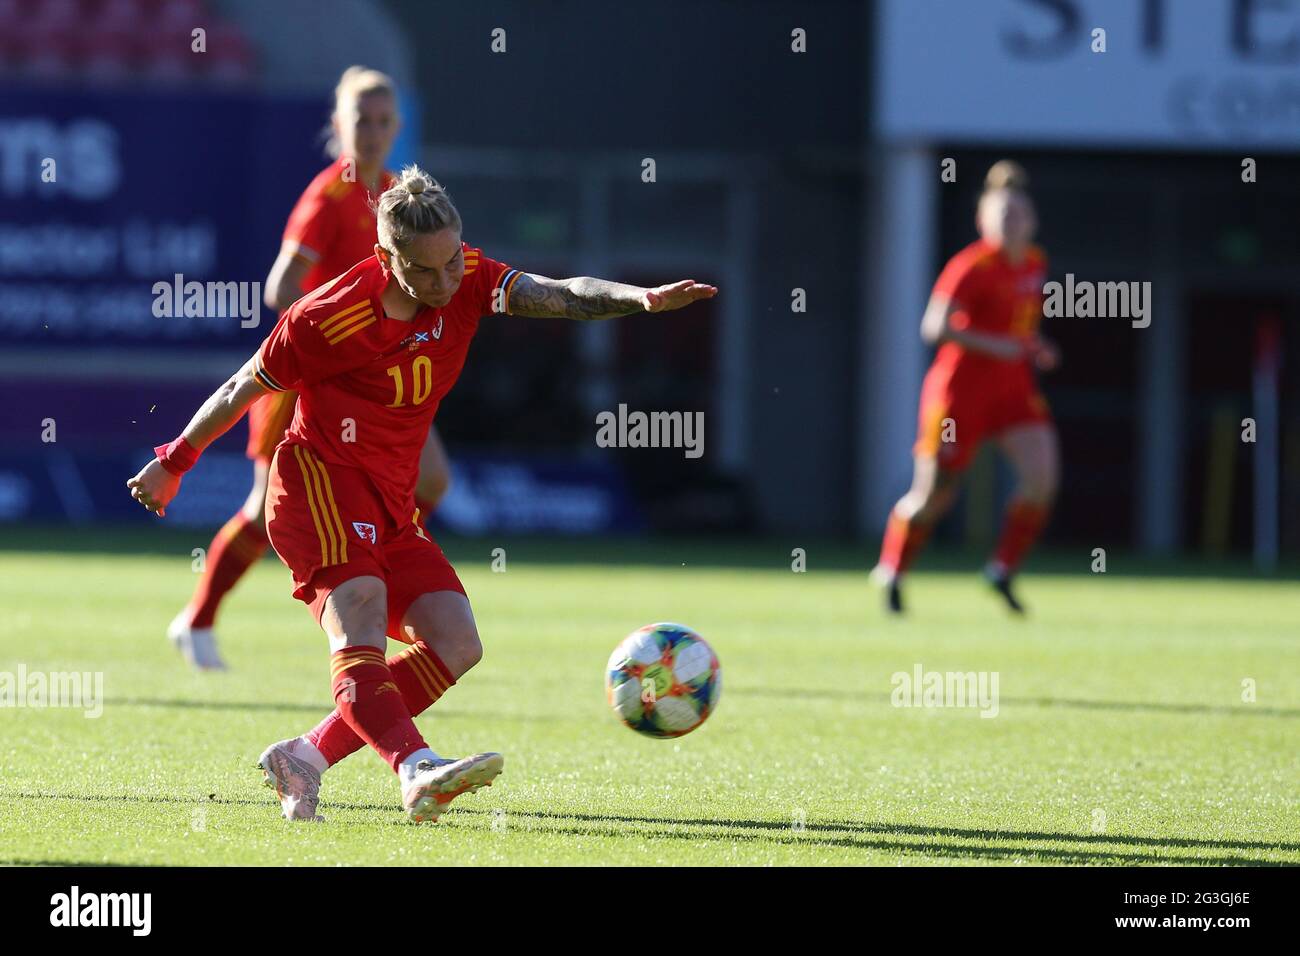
1021	527
236	548
419	674
904	539
370	703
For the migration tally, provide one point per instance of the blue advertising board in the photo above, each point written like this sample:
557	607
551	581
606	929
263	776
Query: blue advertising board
107	196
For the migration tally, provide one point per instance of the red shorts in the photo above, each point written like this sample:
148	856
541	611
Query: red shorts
268	419
960	411
328	524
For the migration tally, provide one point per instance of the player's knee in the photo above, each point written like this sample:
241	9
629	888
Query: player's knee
457	644
471	650
1039	488
932	503
461	647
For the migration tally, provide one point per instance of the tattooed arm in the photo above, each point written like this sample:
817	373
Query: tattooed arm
588	299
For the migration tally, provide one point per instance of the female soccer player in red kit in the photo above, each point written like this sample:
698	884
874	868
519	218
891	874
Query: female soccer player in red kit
331	229
372	353
984	315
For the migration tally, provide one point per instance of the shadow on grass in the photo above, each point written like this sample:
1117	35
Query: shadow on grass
791	693
85	863
676	554
834	834
1233	710
857	838
189	801
318	710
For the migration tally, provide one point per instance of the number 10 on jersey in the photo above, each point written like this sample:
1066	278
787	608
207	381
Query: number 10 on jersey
421	380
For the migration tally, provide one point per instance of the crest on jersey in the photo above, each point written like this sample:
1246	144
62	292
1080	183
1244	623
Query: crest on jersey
365	531
413	342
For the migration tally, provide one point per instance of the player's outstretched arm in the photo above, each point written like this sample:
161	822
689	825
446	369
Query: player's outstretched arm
586	298
156	483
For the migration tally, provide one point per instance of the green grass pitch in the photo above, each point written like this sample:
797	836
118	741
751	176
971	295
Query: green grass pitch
1122	736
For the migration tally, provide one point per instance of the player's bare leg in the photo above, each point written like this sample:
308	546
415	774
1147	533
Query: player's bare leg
355	619
444	646
932	493
1034	453
445	621
234	550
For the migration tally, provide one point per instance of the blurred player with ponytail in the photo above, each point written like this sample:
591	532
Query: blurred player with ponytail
984	315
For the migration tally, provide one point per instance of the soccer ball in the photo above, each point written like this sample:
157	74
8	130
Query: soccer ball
663	680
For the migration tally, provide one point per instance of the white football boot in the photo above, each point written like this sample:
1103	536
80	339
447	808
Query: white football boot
292	772
198	645
435	783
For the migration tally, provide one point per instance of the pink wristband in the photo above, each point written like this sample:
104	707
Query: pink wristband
177	457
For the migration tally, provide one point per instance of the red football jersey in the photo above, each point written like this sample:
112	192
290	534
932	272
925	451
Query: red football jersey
332	224
992	295
369	385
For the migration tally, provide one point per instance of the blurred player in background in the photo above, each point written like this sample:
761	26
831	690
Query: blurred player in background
331	228
381	344
984	315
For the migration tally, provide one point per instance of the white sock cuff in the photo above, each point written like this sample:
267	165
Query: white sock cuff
406	769
306	750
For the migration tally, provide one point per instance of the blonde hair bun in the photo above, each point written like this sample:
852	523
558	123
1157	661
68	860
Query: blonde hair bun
413	205
1006	174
